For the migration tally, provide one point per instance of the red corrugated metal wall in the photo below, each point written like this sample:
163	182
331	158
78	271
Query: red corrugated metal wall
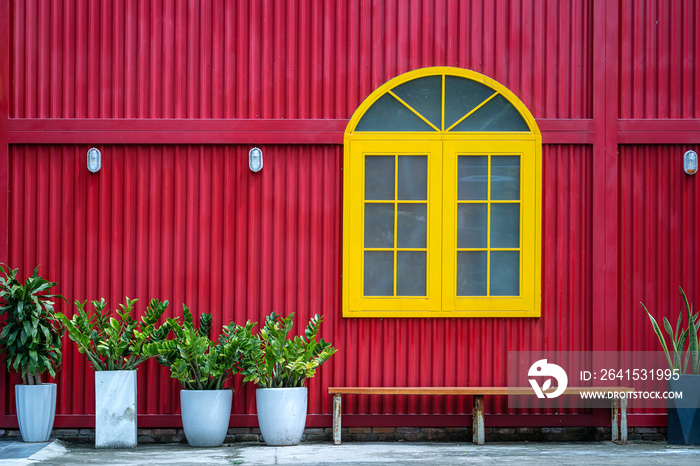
192	224
175	94
659	251
659	55
189	224
294	59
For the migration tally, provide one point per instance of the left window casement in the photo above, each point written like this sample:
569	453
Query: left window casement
394	247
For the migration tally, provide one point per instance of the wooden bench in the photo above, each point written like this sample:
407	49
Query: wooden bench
619	421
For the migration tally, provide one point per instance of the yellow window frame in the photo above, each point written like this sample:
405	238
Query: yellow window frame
443	146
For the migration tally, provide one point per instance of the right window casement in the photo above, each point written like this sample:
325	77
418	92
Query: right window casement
490	228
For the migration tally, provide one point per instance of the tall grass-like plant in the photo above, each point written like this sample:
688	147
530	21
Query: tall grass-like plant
679	337
279	361
197	361
31	333
115	343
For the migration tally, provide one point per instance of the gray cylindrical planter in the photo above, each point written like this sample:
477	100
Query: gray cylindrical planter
115	409
205	416
36	407
281	414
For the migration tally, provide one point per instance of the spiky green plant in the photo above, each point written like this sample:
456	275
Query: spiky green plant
115	343
30	339
194	359
279	361
679	339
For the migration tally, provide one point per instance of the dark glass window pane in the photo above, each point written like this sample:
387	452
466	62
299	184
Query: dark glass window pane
379	225
505	178
379	273
461	96
471	273
411	226
505	225
471	225
473	177
425	96
379	177
505	273
410	273
413	177
496	115
388	114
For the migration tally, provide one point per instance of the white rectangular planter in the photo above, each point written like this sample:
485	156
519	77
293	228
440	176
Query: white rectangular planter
115	409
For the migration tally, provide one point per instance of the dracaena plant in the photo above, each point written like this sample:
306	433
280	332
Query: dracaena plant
31	334
115	343
197	361
679	338
275	360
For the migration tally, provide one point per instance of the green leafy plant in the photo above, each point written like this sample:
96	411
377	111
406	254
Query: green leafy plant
275	360
31	334
196	361
115	343
679	339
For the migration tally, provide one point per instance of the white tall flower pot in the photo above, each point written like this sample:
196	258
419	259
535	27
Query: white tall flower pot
205	416
115	409
36	407
281	414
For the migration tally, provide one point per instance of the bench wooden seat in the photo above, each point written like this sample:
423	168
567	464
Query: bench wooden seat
619	421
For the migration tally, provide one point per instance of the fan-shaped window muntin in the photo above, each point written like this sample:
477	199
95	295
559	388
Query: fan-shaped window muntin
442	103
442	181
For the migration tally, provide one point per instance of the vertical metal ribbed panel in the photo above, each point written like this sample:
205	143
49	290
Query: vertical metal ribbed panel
659	223
659	55
296	59
192	224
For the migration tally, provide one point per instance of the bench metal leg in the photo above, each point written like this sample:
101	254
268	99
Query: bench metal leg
623	421
478	420
336	419
614	420
619	421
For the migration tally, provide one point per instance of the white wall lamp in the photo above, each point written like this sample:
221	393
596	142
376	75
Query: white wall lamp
255	159
690	162
94	160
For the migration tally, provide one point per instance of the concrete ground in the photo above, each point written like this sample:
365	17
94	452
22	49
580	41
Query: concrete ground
351	453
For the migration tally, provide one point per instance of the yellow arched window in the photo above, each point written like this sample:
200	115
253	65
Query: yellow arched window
442	200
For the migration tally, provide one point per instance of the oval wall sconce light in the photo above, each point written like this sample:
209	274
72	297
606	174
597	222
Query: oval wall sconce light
94	160
690	162
255	159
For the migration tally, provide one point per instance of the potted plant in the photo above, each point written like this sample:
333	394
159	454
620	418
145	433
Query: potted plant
31	343
683	413
114	348
203	366
280	366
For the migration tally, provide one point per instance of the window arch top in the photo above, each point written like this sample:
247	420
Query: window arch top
443	100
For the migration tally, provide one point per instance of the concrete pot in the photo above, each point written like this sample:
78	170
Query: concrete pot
281	414
205	416
684	413
115	409
36	407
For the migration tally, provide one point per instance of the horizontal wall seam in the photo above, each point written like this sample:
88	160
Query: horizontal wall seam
254	131
317	131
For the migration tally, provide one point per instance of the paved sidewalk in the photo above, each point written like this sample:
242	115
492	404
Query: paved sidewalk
370	454
17	449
